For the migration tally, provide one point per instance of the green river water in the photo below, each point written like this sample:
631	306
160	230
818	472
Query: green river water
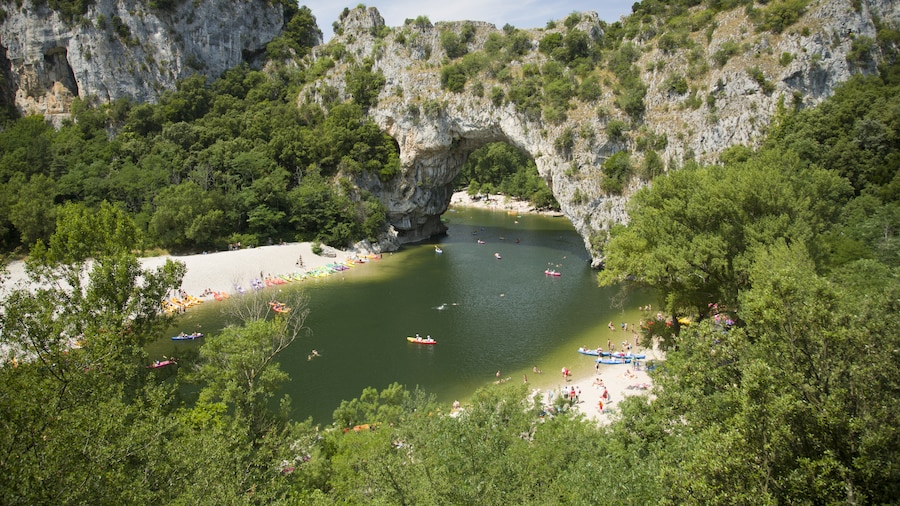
486	314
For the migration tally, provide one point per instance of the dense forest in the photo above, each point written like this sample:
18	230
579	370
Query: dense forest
784	389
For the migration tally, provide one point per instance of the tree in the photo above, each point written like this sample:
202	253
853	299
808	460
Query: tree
238	367
77	402
692	234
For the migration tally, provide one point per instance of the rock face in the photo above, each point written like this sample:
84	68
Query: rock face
123	48
726	104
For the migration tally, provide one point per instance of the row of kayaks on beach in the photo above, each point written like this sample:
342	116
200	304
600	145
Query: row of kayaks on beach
318	272
615	357
180	304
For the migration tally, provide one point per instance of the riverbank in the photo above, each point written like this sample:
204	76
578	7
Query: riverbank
222	271
497	203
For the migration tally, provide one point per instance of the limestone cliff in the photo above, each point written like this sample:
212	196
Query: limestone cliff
720	102
124	48
710	87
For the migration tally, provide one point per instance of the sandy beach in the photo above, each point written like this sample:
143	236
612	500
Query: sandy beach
221	270
619	381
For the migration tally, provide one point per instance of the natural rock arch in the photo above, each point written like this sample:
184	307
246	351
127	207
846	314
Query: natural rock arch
435	129
434	149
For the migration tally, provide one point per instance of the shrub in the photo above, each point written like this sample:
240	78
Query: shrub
757	75
616	171
728	49
676	84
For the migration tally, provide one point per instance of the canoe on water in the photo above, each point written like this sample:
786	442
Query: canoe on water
421	340
187	337
161	363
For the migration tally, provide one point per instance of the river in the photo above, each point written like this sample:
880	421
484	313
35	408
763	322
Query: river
487	314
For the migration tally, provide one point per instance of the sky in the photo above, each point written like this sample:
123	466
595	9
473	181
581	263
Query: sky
518	13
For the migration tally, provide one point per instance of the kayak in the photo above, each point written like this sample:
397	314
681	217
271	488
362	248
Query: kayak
161	363
421	340
593	352
279	307
614	360
187	337
635	356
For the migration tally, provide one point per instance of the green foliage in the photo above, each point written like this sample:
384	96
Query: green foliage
453	44
850	134
421	22
453	78
527	96
616	129
785	59
364	85
778	15
300	34
652	166
70	10
499	167
497	96
390	406
796	402
861	49
757	75
210	162
712	205
675	83
616	172
726	50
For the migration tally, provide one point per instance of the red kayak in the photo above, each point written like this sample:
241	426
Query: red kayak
161	363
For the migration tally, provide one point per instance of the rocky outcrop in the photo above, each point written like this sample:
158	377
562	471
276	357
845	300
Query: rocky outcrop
697	102
124	48
726	103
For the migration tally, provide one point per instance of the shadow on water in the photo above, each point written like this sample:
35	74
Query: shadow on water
487	314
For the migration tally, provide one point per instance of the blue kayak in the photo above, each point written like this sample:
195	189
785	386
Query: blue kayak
614	360
187	337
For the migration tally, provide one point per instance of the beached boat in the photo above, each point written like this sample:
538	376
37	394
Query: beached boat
593	352
187	337
161	363
630	356
613	360
550	272
421	340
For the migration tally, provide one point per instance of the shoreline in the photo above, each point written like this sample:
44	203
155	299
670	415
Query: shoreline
221	271
498	203
620	381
